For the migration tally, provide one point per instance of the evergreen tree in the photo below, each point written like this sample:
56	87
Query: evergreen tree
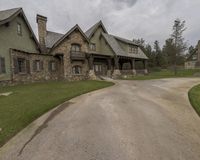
178	41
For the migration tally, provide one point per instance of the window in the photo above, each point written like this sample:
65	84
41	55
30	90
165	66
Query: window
2	65
19	29
52	66
93	47
76	70
75	48
132	49
21	65
37	65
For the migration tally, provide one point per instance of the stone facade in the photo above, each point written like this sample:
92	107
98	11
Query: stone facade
30	75
64	49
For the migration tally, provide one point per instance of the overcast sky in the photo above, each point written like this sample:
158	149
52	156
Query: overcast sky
148	19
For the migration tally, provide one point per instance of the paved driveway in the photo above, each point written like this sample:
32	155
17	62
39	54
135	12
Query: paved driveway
133	120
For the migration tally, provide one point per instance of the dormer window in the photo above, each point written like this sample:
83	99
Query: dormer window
19	29
92	46
75	48
132	49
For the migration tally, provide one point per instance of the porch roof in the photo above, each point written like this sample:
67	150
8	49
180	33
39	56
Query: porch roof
111	40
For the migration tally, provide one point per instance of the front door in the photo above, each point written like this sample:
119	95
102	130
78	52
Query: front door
100	69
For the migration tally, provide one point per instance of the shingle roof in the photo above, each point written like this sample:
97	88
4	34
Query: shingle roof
52	38
76	27
126	40
112	41
6	14
92	29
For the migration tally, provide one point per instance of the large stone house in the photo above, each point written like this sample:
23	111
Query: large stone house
76	55
193	60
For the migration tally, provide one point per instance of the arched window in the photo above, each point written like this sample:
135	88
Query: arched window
75	47
76	70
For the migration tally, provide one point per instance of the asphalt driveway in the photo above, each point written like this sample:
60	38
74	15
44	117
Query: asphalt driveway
133	120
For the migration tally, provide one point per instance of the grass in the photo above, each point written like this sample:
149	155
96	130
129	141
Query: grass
30	101
194	96
164	74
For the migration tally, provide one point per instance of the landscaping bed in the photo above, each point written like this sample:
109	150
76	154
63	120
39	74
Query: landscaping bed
22	104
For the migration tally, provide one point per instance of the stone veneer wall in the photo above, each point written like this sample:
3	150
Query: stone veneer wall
32	76
64	48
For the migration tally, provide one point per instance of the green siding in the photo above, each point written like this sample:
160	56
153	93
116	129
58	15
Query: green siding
10	39
105	48
101	46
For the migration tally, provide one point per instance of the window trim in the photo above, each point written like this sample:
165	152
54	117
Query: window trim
94	46
19	29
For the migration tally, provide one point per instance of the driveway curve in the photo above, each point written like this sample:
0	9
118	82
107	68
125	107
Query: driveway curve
133	120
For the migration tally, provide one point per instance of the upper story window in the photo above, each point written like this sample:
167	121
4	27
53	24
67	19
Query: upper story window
19	29
92	46
2	65
75	48
132	49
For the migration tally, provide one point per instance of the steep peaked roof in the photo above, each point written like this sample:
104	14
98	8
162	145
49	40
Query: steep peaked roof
8	15
111	40
52	38
92	29
76	27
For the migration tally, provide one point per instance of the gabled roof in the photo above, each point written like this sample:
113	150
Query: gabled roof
52	38
91	30
112	41
76	27
8	15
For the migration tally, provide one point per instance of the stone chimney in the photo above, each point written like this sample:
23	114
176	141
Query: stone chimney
198	51
42	31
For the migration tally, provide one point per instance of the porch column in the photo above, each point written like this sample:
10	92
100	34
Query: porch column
116	72
109	67
133	66
145	66
116	59
91	74
91	62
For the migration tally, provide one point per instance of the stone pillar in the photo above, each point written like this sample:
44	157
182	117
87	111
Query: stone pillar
116	72
91	75
145	66
133	66
109	68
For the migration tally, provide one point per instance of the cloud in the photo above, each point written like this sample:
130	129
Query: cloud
149	19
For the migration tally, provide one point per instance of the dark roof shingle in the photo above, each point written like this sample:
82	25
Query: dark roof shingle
52	38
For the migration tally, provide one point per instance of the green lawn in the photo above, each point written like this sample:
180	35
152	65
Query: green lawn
30	101
194	96
165	74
